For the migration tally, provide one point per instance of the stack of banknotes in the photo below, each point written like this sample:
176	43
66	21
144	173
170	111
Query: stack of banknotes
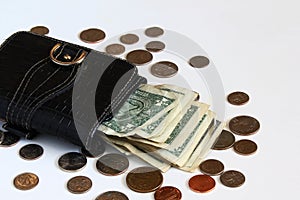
166	126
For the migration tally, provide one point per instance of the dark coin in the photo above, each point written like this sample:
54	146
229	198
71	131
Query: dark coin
155	46
9	139
232	178
144	179
154	32
40	30
164	69
199	61
129	38
26	181
167	193
224	141
244	125
112	195
139	57
202	183
31	152
72	161
245	147
112	164
92	35
238	98
211	167
79	184
115	49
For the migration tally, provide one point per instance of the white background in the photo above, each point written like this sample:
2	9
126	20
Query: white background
255	46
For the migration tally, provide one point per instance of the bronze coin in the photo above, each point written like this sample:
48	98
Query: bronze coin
245	147
79	184
244	125
92	35
211	167
31	152
40	30
238	98
155	46
115	49
202	183
72	161
9	139
232	178
26	181
199	61
112	195
164	69
167	193
139	57
154	32
129	38
112	164
224	141
144	179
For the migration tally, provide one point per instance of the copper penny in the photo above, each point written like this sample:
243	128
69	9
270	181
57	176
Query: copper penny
9	139
144	179
112	195
164	69
199	61
92	35
232	178
40	30
79	184
129	38
224	141
154	32
26	181
238	98
112	164
245	147
202	183
167	193
139	57
72	161
244	125
115	49
211	167
155	46
31	152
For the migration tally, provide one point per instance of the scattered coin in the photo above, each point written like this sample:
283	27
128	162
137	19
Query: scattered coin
245	147
238	98
244	125
225	141
9	139
79	184
31	152
232	178
139	57
26	181
199	61
115	49
112	195
167	193
154	32
164	69
155	46
72	161
112	164
202	183
40	30
211	167
129	38
144	179
92	35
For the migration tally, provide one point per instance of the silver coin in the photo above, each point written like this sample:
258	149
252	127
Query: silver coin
164	69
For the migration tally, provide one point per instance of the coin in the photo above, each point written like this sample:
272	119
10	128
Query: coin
154	32
112	164
244	125
155	46
26	181
144	179
202	183
238	98
232	178
9	139
167	193
92	35
115	49
211	167
164	69
112	195
79	184
40	30
224	141
199	61
72	161
139	57
31	152
245	147
129	38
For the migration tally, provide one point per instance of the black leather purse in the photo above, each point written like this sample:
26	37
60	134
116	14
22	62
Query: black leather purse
48	86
